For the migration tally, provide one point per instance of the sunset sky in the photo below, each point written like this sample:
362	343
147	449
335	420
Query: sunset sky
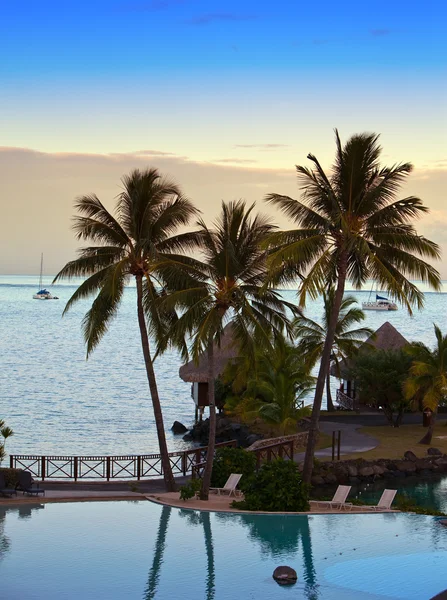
224	96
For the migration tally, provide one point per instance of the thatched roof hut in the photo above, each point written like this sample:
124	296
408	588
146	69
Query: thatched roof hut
385	338
198	373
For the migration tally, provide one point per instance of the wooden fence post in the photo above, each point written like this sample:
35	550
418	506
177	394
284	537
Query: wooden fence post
138	468
11	461
43	468
108	468
75	468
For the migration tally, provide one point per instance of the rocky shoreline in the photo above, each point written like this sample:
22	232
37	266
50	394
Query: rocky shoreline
226	430
360	470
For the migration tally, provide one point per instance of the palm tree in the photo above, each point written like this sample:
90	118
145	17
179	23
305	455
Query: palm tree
275	390
5	433
346	340
351	227
229	288
135	243
427	381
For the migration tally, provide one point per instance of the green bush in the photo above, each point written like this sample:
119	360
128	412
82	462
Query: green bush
232	460
11	477
407	504
189	490
276	487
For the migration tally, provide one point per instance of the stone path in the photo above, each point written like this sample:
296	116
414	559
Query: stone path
352	441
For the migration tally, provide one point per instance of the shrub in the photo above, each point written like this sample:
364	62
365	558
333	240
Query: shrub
232	460
11	477
189	490
276	487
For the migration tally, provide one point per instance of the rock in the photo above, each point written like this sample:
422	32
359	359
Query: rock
441	463
285	575
443	522
441	596
409	455
406	466
434	452
378	470
354	480
178	428
352	471
317	480
252	438
366	471
423	465
330	478
187	438
235	426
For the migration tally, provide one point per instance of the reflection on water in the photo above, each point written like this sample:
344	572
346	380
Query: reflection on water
277	535
24	512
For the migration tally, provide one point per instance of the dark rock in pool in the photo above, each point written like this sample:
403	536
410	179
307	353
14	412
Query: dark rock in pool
434	452
178	427
441	596
285	575
187	438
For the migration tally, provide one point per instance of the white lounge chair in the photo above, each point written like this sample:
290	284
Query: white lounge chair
230	486
339	499
385	502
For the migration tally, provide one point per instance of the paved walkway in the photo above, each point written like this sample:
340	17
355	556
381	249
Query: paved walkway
352	441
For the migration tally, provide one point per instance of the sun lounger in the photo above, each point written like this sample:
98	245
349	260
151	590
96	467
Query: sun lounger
339	499
385	502
230	486
4	491
25	484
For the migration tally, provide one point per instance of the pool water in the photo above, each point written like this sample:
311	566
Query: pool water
139	550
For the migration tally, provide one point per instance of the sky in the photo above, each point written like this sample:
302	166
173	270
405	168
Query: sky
225	97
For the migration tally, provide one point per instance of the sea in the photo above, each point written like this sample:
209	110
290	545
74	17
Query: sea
60	403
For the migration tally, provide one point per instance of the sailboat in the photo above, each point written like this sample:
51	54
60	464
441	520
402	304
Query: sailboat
381	303
43	293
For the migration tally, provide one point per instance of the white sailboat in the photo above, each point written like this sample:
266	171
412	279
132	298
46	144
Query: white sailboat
43	293
381	303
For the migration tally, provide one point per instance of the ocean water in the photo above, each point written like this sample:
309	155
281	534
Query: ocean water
58	402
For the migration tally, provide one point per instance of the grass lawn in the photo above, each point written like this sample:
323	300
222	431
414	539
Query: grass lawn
395	441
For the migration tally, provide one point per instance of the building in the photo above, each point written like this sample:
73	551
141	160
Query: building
385	338
197	374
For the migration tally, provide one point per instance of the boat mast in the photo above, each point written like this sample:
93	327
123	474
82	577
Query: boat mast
41	271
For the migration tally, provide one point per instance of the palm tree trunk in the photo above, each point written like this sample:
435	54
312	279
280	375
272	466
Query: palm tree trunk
165	462
428	436
206	481
324	368
330	404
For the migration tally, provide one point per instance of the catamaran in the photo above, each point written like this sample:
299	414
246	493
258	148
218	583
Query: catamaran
43	293
381	303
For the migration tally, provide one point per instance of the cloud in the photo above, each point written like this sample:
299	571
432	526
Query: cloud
263	146
209	18
234	160
380	32
37	190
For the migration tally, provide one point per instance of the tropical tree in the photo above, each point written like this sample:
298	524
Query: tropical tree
5	433
350	226
379	378
427	381
229	288
133	244
277	386
312	335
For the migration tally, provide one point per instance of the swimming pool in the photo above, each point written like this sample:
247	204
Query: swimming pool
139	550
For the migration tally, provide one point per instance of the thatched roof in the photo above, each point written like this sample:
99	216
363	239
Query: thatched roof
385	338
227	350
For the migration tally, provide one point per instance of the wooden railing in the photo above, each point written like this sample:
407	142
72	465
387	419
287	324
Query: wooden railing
273	451
345	401
109	467
263	454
